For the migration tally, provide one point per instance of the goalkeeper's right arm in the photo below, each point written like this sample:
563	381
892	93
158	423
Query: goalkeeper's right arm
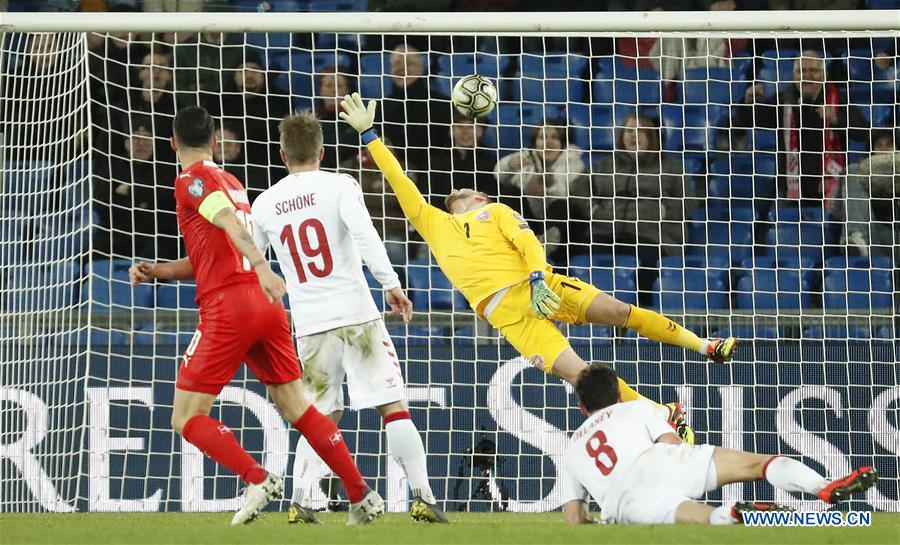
362	119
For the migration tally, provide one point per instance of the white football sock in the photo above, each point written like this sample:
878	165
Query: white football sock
722	515
792	476
307	467
405	445
704	346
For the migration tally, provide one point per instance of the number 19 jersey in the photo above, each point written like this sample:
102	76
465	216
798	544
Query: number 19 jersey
321	232
216	262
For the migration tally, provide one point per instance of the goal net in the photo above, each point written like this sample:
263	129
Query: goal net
742	183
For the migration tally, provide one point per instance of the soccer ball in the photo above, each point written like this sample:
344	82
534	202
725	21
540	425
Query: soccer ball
474	96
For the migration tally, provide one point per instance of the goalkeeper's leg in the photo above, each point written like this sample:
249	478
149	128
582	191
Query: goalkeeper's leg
569	365
606	310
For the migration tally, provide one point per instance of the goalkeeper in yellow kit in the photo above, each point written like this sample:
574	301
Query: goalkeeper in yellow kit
489	253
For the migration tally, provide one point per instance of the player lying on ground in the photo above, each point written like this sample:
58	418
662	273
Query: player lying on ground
489	253
241	319
627	459
339	329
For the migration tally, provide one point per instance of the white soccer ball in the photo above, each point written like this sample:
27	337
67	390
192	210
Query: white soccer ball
474	96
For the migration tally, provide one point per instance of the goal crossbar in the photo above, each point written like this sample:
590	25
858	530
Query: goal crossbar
520	22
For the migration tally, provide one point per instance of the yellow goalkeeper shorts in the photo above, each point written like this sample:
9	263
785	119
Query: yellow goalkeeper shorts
535	338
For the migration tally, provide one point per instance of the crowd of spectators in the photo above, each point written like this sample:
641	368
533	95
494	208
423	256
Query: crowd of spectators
638	197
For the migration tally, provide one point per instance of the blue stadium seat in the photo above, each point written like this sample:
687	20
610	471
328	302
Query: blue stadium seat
776	70
458	65
509	126
748	332
109	285
685	127
677	290
374	81
553	78
604	260
769	289
430	288
179	295
584	334
375	289
711	86
338	5
594	129
732	240
34	287
858	283
621	283
692	262
837	332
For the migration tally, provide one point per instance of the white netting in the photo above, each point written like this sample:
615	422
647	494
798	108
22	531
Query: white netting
711	231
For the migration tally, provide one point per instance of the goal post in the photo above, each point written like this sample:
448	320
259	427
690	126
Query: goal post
706	231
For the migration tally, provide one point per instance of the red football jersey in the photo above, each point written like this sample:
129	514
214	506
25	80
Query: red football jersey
217	263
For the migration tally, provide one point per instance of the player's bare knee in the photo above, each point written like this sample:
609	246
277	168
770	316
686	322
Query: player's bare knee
178	421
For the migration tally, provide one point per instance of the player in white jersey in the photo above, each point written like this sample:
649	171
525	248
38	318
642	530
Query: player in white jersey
630	461
321	232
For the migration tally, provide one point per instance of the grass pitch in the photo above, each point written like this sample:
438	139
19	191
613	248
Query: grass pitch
398	529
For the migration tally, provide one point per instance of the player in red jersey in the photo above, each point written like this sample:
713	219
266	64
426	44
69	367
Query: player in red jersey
241	319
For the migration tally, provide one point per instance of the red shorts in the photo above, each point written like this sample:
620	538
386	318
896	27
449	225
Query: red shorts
237	323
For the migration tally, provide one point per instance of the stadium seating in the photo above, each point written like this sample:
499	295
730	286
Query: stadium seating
620	282
858	283
374	78
178	295
430	288
767	289
552	78
108	285
375	288
678	290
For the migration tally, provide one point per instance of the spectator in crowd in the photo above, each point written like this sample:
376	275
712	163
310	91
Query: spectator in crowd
416	119
340	140
204	61
464	165
813	121
639	200
259	110
672	56
125	200
546	175
152	98
401	242
873	198
229	154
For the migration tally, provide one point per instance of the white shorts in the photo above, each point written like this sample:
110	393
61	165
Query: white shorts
364	353
660	480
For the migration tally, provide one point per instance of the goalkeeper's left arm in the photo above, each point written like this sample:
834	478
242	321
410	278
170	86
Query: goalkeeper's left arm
544	302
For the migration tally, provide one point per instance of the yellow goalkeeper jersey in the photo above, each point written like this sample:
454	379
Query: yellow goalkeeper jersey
481	251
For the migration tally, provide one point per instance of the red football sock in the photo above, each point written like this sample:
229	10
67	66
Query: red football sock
326	440
215	440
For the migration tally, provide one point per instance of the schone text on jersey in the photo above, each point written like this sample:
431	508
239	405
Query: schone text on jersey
295	203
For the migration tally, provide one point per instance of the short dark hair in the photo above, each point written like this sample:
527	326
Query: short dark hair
193	127
598	387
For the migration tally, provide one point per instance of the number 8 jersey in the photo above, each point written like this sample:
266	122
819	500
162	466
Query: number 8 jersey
603	450
201	191
321	232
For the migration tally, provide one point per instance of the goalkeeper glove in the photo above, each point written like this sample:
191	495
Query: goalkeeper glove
544	302
356	114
